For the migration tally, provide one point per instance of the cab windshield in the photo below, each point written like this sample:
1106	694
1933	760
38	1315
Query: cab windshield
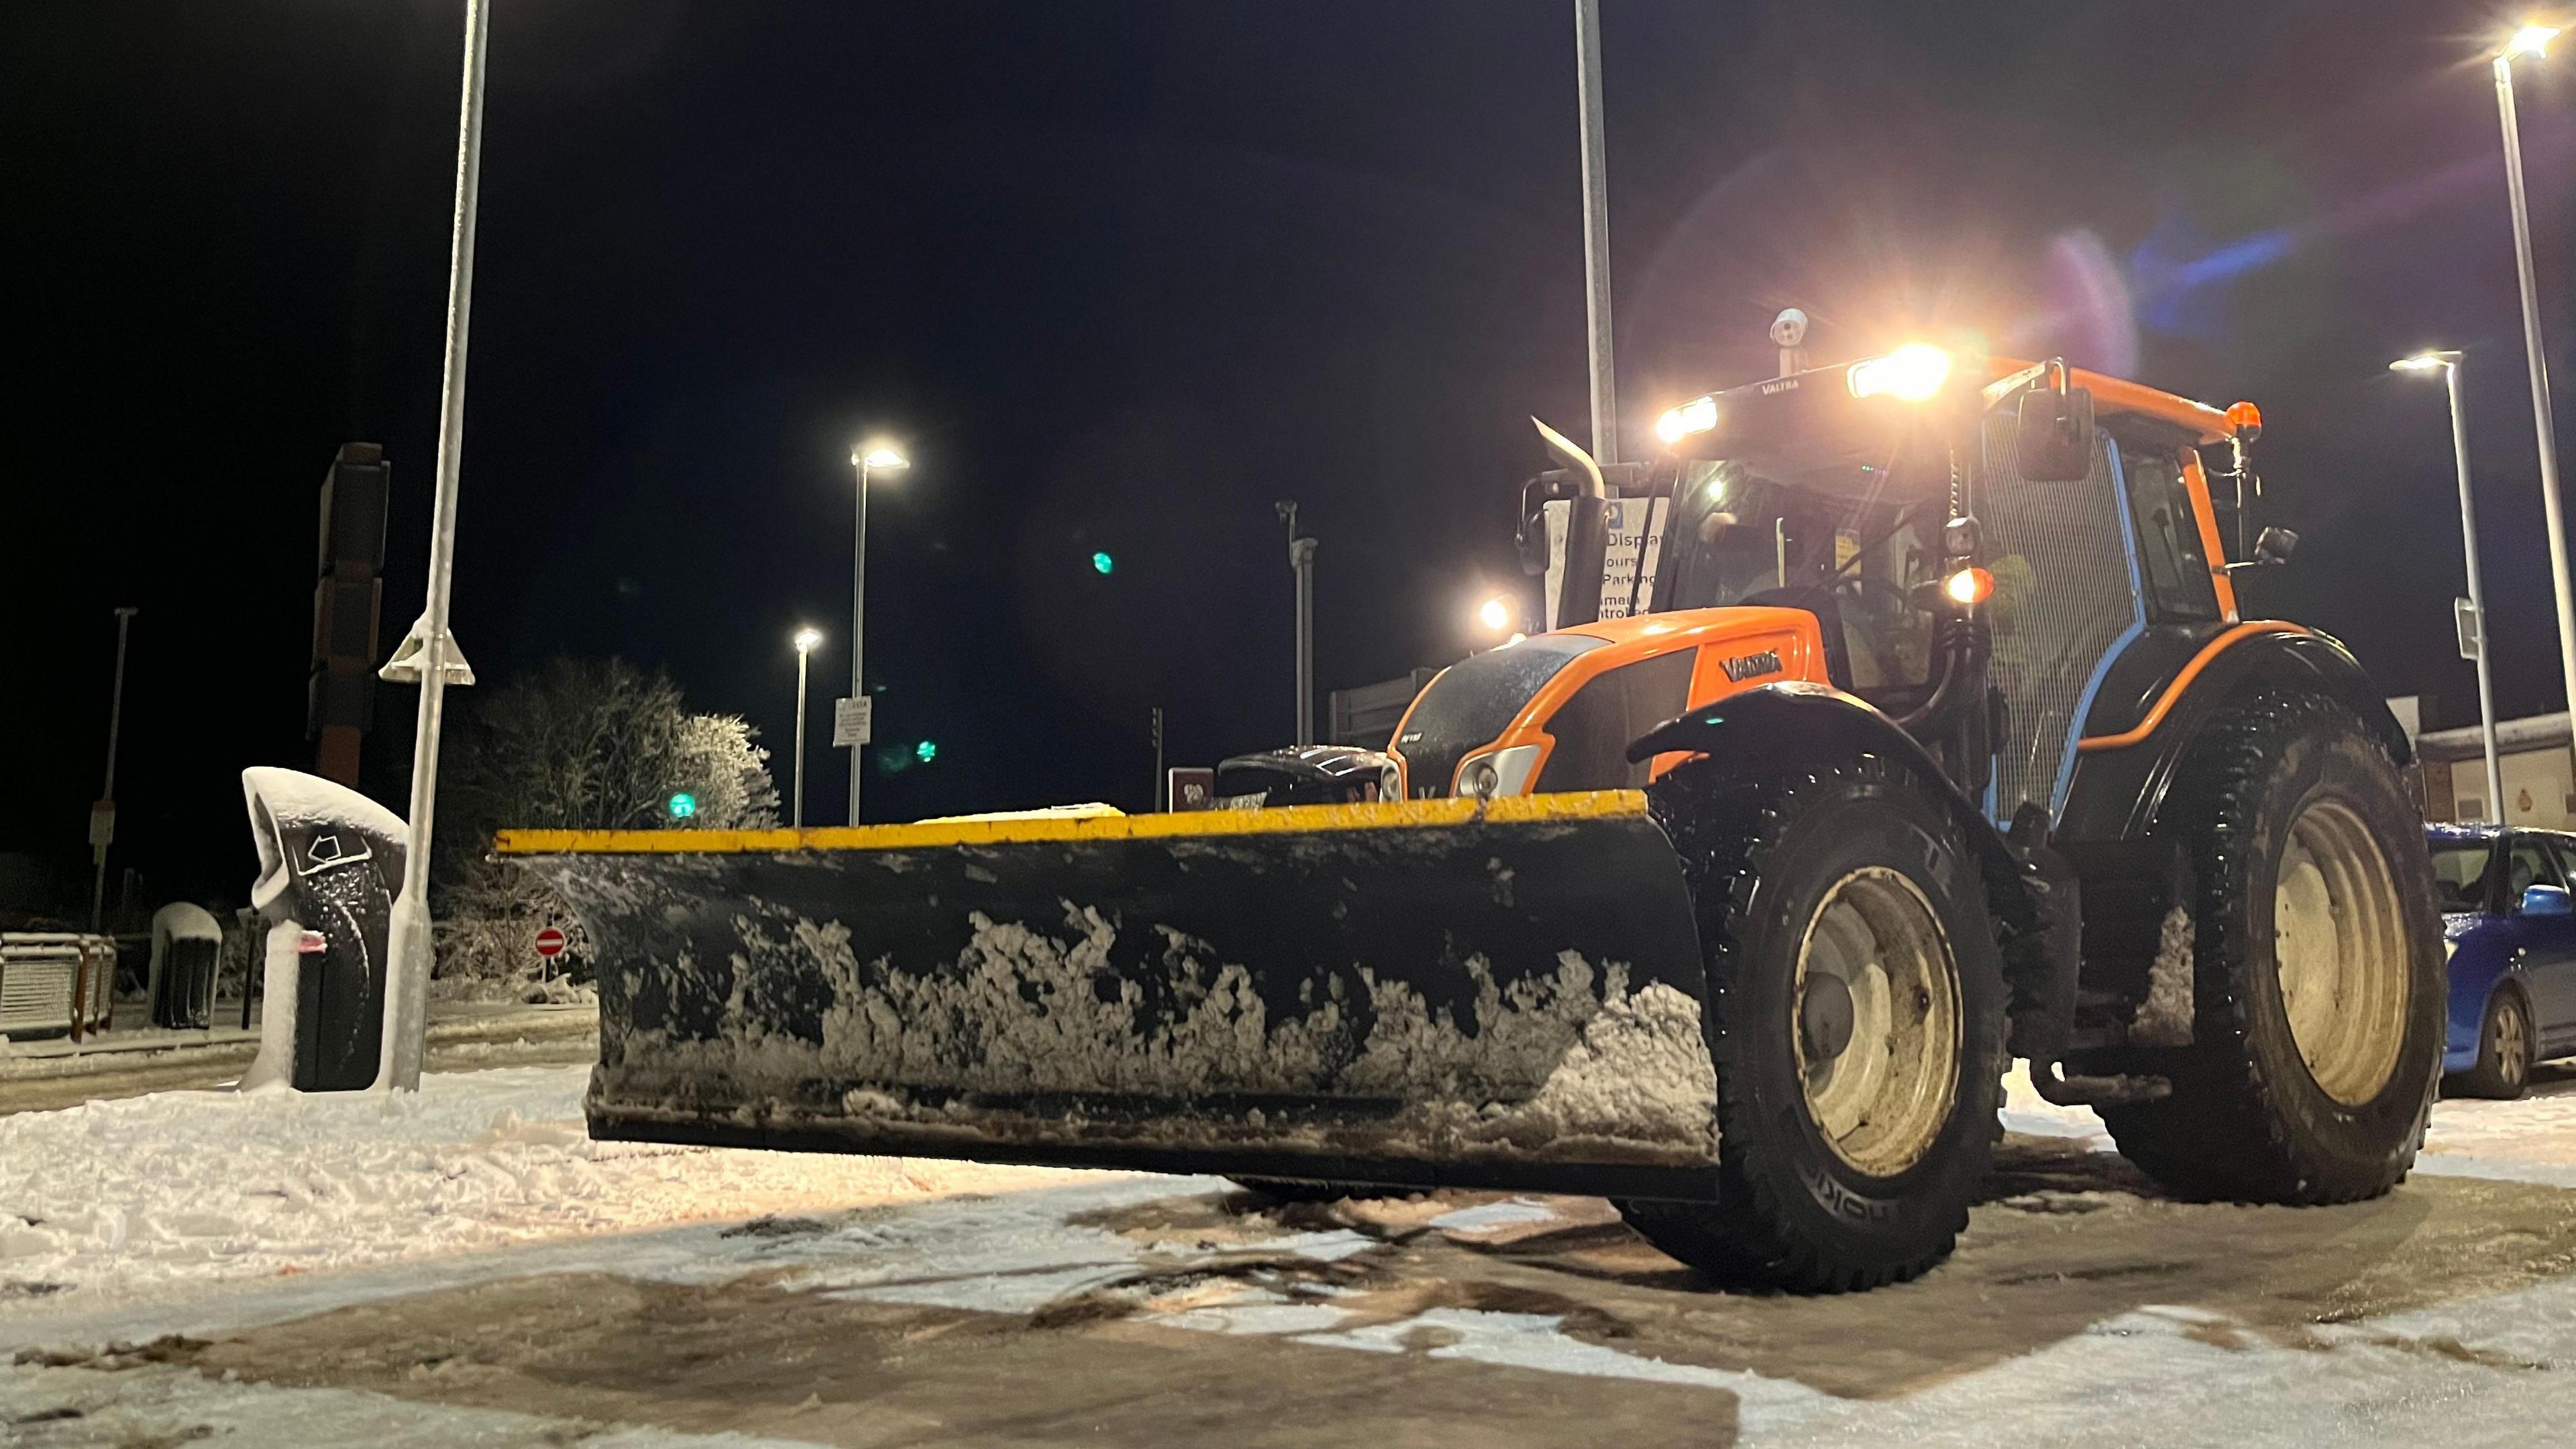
1857	541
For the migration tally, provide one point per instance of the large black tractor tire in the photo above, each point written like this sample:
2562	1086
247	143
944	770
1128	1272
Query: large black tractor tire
1856	1019
2317	966
2505	1039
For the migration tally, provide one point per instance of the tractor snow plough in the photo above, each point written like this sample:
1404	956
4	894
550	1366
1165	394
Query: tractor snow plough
1897	722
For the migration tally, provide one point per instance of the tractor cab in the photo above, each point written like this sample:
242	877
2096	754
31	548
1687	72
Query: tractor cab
1976	542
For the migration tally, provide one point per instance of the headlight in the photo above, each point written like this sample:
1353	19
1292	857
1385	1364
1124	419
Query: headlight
1699	415
1913	373
1497	773
1390	783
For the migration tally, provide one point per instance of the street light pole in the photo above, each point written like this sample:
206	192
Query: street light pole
1596	232
2449	363
2533	41
806	639
102	816
1301	558
867	462
407	967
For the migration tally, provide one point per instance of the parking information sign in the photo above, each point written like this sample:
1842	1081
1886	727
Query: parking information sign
852	721
1630	558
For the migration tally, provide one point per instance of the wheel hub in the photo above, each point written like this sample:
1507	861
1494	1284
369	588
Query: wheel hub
2510	1045
1877	1022
2339	942
1825	1016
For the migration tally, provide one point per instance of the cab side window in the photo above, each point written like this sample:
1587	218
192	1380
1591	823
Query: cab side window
2170	561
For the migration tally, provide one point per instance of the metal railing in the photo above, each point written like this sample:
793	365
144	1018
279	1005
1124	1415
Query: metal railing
56	981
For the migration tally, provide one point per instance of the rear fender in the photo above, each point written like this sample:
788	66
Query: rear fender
2129	755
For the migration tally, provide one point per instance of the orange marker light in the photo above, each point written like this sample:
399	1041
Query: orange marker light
2246	420
1971	586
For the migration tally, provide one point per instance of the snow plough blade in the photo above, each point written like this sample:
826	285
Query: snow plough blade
1416	992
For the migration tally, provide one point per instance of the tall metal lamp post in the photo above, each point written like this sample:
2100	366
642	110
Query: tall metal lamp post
806	640
1596	232
427	654
2448	364
1301	559
868	461
2533	41
102	816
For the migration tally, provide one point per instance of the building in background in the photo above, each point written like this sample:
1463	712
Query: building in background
2538	767
1367	716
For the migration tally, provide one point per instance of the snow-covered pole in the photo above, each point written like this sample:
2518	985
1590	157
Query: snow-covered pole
407	972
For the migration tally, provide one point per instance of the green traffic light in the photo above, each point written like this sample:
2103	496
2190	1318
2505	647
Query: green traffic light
1102	563
683	805
926	751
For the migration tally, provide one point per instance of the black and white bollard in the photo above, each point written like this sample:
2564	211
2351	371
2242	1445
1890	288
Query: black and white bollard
329	858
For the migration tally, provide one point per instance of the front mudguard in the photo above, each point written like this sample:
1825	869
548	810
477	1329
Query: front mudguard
1794	725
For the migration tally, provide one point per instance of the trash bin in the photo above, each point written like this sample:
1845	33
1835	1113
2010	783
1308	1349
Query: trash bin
329	858
187	940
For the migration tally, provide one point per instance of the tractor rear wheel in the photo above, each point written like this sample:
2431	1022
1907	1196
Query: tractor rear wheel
1856	1002
2318	992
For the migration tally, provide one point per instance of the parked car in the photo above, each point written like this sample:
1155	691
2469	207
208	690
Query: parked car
2509	928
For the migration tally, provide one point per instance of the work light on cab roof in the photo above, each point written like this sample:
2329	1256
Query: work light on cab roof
1913	373
1699	415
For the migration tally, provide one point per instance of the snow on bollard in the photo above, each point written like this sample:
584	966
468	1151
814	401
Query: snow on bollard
181	982
326	855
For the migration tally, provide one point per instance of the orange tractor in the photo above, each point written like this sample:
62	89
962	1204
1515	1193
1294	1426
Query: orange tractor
1898	722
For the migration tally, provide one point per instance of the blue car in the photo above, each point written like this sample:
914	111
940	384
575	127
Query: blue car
2509	928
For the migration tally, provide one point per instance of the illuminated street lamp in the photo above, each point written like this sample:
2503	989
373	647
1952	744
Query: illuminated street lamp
868	459
807	640
1496	615
2448	364
2533	41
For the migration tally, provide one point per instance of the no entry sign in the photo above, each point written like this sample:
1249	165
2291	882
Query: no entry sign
550	943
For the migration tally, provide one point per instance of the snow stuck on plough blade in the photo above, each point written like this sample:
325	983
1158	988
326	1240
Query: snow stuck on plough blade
1505	993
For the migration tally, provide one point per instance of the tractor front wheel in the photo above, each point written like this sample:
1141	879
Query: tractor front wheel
2318	991
1857	1026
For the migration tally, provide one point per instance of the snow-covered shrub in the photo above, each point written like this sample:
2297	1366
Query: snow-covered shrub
578	745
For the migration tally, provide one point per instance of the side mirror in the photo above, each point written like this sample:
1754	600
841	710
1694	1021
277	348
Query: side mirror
1536	494
2272	548
2544	900
2056	444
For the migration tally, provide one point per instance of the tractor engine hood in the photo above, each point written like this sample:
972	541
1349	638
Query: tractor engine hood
1557	711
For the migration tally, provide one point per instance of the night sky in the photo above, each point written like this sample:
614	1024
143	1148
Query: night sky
1118	276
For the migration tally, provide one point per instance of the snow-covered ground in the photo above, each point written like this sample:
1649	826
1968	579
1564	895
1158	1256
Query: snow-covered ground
177	1190
240	1218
